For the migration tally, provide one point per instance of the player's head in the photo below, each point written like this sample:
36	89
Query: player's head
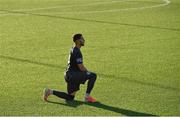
78	39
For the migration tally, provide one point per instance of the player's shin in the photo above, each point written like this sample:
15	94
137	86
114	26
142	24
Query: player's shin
63	95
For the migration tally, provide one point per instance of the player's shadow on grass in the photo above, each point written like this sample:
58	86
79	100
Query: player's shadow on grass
126	112
23	60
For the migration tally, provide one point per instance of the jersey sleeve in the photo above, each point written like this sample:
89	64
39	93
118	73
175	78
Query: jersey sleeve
78	57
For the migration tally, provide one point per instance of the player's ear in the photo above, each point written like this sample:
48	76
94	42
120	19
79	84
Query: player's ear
76	42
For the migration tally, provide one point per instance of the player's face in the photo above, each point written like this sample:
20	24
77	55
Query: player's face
82	41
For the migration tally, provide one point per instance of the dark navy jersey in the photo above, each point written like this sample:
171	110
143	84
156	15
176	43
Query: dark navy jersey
75	58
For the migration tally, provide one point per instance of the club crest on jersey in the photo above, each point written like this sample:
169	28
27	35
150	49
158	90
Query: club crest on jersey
79	60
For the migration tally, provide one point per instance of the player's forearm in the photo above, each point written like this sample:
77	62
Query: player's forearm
82	67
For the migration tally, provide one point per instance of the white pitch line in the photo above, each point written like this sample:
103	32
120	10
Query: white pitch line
166	2
56	7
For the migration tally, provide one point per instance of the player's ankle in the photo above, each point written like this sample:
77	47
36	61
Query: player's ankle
87	95
51	91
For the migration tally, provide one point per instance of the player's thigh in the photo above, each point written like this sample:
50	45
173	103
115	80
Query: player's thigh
79	77
82	77
71	87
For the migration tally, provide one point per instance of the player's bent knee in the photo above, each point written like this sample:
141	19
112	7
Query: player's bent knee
70	98
94	76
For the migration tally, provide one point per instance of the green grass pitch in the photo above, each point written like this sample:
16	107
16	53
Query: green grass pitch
132	45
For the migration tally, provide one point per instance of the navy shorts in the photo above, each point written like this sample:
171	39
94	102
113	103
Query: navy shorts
75	78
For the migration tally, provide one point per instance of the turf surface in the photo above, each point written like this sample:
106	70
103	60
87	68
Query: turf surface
134	51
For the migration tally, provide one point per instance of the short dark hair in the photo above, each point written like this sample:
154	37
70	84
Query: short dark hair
76	36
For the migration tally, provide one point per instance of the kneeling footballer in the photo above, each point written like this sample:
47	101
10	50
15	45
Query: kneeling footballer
75	74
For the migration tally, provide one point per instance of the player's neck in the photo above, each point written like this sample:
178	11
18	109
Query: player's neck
78	46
